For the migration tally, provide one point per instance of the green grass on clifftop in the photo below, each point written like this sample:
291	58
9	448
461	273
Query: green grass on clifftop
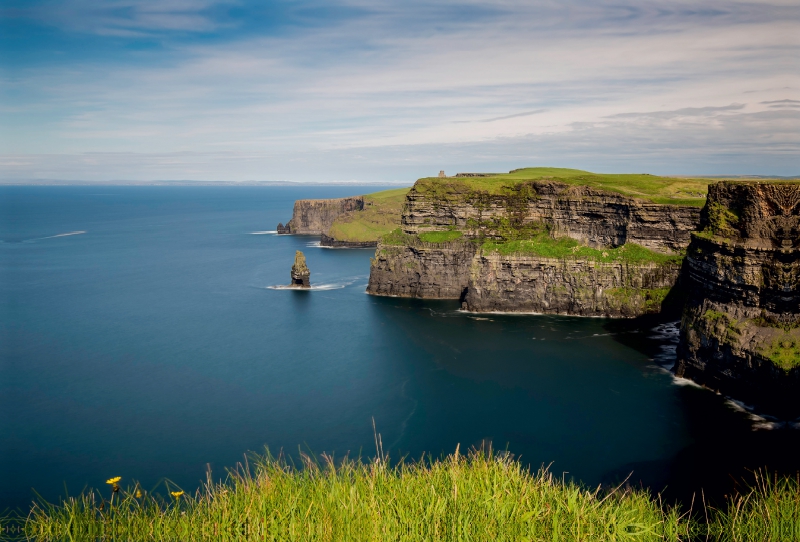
381	215
567	248
664	190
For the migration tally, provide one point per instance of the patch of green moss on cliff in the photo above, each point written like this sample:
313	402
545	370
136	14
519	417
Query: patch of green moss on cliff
784	352
396	237
721	221
440	236
652	298
715	316
663	190
726	328
546	246
508	229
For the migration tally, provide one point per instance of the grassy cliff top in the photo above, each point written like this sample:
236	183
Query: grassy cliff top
381	215
566	248
664	190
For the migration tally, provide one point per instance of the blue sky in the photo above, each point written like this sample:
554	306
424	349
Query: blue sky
391	91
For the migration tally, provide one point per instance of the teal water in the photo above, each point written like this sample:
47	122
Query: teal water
141	338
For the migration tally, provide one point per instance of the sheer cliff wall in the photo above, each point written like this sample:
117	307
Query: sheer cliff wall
315	216
567	286
740	332
486	280
594	217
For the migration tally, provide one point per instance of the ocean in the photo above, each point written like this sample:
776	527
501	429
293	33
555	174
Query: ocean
144	334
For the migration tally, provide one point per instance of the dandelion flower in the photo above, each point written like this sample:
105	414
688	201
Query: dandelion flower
113	481
176	494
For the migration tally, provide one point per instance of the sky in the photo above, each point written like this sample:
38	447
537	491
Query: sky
369	90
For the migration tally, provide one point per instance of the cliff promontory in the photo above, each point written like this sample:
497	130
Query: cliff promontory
315	216
740	332
532	241
354	222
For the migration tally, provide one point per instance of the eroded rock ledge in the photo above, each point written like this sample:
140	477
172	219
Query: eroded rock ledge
594	217
740	332
567	286
486	279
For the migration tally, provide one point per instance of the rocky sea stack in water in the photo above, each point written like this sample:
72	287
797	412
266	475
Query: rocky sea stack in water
740	332
300	273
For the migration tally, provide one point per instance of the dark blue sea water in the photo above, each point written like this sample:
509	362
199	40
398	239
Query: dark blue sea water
141	338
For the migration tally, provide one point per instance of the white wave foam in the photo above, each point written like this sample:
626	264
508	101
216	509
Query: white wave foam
338	286
266	232
328	286
679	381
67	234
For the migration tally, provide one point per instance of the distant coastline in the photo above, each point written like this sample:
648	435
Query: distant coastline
60	182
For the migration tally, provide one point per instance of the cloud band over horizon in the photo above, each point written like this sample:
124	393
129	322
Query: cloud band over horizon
370	90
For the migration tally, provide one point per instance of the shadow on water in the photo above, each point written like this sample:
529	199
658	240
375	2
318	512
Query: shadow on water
728	443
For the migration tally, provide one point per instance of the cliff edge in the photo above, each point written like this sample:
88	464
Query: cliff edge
353	222
740	332
315	216
534	245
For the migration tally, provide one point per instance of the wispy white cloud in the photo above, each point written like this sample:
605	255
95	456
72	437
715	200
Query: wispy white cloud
572	78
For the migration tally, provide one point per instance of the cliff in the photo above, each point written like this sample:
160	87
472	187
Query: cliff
592	216
405	266
354	222
740	332
315	216
578	286
539	245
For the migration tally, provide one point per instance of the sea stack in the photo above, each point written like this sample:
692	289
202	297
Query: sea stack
300	272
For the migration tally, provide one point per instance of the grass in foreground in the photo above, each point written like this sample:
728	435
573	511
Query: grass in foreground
478	497
381	215
664	190
769	511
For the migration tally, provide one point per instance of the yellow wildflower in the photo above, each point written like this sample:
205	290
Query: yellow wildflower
177	494
138	494
113	481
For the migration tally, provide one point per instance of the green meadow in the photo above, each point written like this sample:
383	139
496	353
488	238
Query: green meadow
381	215
545	246
664	190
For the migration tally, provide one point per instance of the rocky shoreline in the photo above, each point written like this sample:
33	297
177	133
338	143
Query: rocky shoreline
732	268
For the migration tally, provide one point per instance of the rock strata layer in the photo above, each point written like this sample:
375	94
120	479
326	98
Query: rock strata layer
419	269
740	332
315	216
332	242
522	283
485	280
594	217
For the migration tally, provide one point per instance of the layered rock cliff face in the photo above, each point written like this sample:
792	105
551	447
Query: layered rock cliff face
740	332
521	279
594	217
315	216
418	269
567	286
331	242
